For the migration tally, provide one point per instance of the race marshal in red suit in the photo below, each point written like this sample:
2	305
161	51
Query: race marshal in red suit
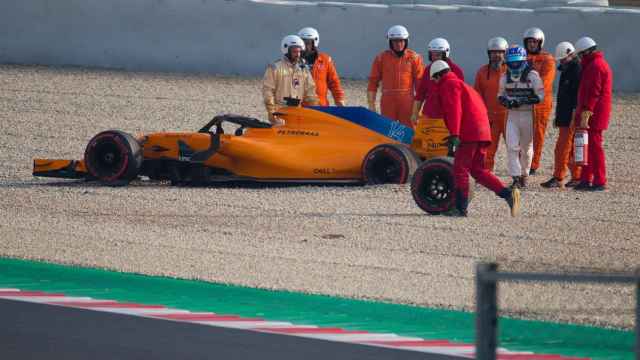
466	118
439	49
593	111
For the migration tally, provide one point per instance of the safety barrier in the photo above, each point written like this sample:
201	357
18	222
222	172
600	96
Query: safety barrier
487	278
239	37
524	4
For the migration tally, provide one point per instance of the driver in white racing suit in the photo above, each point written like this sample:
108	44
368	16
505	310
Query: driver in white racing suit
520	88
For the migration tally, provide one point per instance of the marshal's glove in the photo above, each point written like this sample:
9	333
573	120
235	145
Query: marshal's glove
452	145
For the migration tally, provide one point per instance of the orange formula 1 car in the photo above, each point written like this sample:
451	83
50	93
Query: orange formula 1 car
323	144
317	144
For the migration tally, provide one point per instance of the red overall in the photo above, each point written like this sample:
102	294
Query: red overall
594	94
426	86
466	116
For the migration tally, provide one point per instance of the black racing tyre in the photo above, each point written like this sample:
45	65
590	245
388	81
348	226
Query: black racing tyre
389	164
113	157
433	186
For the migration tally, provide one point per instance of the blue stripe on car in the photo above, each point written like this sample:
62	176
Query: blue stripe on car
371	120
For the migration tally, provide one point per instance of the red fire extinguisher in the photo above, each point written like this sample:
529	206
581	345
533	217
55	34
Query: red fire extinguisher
580	147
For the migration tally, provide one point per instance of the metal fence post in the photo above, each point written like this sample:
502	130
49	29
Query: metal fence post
637	349
486	312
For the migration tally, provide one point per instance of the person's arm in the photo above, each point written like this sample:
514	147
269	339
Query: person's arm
547	73
415	111
423	86
478	83
592	82
374	79
418	71
593	85
458	71
502	93
572	96
538	86
451	101
310	97
333	82
269	91
419	74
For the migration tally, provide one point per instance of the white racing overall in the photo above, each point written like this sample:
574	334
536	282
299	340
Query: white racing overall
519	130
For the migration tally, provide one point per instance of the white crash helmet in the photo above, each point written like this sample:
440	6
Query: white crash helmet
563	50
289	41
310	33
533	33
437	67
397	32
584	43
497	44
439	44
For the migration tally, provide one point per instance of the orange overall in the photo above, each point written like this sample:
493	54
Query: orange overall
544	64
487	84
400	77
567	100
326	78
564	154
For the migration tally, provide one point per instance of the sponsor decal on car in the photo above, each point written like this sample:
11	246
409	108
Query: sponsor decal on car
396	131
324	171
298	133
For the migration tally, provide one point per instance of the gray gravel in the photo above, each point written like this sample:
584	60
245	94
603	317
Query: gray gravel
360	242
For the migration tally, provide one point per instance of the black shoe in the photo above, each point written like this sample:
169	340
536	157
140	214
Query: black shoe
598	188
551	183
516	182
455	213
572	183
583	186
523	182
533	171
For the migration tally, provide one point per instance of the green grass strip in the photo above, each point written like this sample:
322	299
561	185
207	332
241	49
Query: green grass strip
299	308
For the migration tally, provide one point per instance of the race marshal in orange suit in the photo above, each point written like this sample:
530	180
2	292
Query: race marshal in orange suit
487	84
399	69
322	68
543	63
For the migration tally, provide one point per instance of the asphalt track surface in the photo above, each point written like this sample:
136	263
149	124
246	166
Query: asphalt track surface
360	242
38	330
